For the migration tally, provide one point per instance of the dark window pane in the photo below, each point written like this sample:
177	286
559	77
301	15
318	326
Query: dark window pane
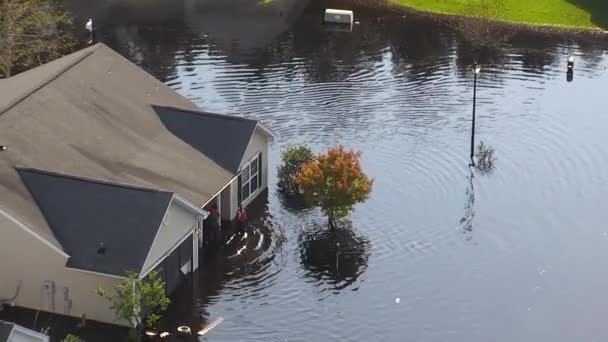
254	183
254	167
245	190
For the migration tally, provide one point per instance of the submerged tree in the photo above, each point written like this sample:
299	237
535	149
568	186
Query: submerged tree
292	159
31	33
485	158
135	299
335	182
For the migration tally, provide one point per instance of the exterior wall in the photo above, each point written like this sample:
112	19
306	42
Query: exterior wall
27	259
258	144
177	224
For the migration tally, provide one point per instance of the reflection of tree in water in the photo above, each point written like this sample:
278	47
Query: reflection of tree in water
469	208
334	257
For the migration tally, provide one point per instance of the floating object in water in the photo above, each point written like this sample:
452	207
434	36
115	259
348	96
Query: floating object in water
241	250
337	16
357	23
397	300
164	334
208	328
184	330
570	72
150	333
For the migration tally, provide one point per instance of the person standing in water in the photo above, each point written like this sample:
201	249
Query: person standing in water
241	218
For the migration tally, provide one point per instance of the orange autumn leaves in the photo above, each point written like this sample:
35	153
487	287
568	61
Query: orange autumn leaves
334	181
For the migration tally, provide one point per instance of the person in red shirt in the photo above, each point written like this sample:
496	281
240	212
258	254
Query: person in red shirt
214	212
241	218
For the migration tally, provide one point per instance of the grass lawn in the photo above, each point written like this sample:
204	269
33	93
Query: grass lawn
571	13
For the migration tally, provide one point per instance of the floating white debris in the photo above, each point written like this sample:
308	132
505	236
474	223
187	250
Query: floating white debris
397	300
184	330
241	250
210	326
337	16
260	242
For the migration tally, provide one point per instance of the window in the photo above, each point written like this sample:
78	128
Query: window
250	179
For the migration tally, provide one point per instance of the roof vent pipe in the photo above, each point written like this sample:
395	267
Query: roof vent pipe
102	249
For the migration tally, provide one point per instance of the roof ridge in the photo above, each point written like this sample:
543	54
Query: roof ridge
89	180
200	112
51	78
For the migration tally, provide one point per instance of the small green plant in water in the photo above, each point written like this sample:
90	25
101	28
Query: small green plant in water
72	338
135	299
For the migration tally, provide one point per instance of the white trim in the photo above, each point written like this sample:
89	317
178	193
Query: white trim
162	258
252	196
27	229
191	206
195	248
256	157
96	273
186	204
266	130
158	232
222	189
243	158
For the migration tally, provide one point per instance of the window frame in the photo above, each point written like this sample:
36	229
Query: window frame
247	170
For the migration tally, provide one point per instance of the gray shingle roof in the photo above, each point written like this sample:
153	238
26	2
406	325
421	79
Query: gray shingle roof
83	213
90	115
223	138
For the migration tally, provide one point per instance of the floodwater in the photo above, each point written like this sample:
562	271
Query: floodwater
435	254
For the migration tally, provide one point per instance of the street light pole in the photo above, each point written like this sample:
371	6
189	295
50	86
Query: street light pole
476	71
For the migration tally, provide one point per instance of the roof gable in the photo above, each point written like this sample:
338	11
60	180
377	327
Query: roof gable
222	138
83	213
91	111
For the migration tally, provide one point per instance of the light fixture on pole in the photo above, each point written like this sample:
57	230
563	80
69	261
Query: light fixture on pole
476	69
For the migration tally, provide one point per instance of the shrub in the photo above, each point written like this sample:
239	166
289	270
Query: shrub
292	160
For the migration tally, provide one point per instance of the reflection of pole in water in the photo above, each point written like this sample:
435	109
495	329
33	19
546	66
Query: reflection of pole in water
337	257
469	209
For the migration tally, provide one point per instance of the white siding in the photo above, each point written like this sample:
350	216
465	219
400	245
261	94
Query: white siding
177	224
25	258
257	145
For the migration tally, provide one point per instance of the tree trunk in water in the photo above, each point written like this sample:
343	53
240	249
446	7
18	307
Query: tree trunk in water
332	222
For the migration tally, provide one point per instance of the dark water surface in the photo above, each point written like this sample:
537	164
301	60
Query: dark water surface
516	255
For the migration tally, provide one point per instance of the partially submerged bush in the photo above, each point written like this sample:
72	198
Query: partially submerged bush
335	182
485	158
292	160
72	338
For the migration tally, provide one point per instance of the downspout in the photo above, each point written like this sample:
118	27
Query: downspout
9	300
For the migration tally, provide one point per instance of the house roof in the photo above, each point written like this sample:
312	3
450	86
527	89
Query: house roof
85	213
90	115
5	330
208	132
